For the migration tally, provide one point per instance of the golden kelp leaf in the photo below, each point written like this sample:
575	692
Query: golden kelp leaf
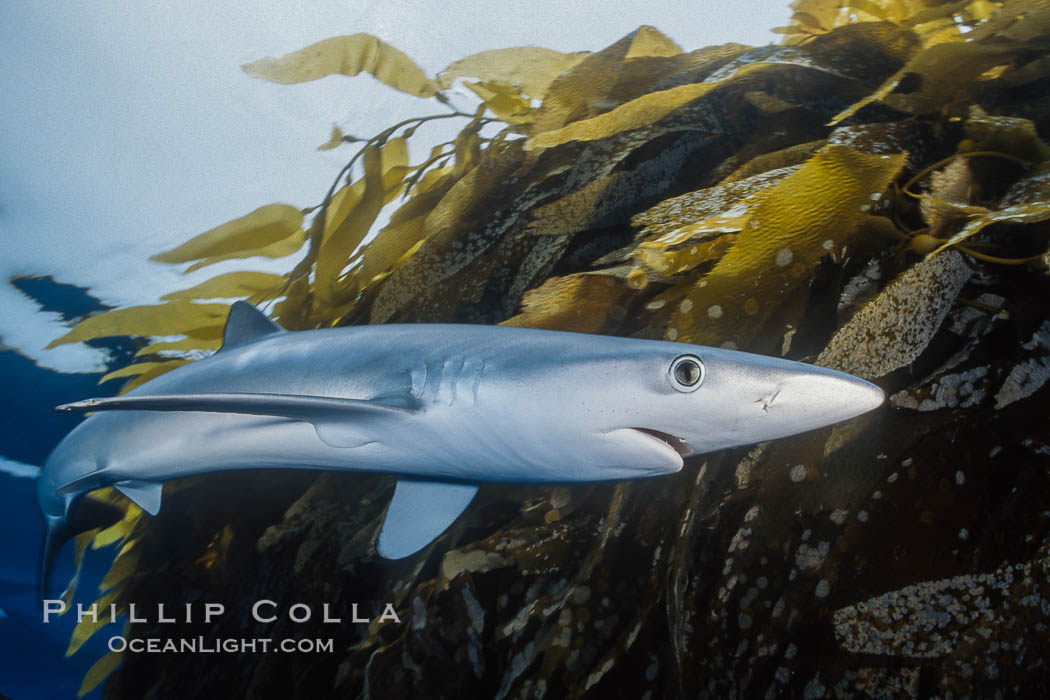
217	549
97	673
161	368
231	285
394	158
346	55
332	257
530	68
941	31
172	318
713	208
137	369
280	249
334	141
88	626
241	237
776	160
869	10
894	327
404	231
650	41
504	101
572	212
124	565
790	226
80	544
942	69
819	16
1010	135
919	15
181	345
586	303
815	16
1035	187
1018	20
115	532
638	76
1031	213
582	90
903	12
432	179
637	113
292	312
444	227
394	155
805	25
467	149
711	244
344	201
1028	73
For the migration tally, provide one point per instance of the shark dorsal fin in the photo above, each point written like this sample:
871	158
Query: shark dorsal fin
419	512
246	324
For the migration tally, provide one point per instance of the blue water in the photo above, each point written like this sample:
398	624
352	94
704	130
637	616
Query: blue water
32	654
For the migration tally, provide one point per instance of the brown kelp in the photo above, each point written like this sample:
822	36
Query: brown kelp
872	194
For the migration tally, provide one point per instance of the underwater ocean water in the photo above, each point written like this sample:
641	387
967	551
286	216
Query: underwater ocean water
34	663
141	84
870	194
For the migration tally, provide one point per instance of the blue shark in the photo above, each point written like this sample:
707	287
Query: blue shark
443	407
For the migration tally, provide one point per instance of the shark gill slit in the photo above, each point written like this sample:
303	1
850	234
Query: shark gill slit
476	369
432	381
458	363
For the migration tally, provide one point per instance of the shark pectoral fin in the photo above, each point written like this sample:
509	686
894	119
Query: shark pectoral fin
146	494
419	512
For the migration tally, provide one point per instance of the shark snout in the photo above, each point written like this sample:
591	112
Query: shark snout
746	399
807	398
826	395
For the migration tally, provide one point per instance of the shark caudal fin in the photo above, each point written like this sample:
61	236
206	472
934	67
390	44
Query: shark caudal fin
56	534
419	512
86	514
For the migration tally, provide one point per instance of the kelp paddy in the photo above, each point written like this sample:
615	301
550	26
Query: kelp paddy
873	195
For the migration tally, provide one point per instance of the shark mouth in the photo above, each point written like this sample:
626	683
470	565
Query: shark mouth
679	445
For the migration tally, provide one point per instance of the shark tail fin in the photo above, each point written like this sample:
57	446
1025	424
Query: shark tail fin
87	513
56	534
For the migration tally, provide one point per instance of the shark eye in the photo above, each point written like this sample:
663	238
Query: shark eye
686	373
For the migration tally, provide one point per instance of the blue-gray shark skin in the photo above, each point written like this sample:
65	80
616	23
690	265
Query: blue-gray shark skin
443	407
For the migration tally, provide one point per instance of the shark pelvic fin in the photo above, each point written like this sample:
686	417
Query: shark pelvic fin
419	512
246	324
146	494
